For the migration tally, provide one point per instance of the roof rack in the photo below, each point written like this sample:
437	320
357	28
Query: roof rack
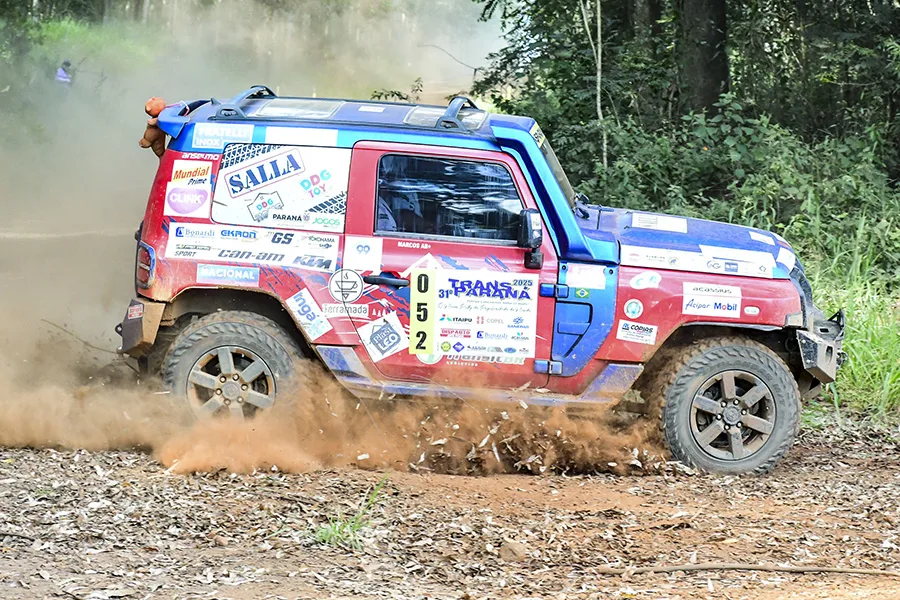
451	120
231	109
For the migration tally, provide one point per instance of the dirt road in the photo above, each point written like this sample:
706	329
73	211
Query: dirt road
115	524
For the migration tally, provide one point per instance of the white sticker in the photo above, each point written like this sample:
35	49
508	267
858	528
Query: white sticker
301	136
634	308
308	314
586	276
346	310
282	186
787	258
659	222
183	200
346	286
429	359
646	280
711	300
636	332
711	262
426	262
224	243
371	109
214	136
384	337
192	172
761	237
362	253
751	310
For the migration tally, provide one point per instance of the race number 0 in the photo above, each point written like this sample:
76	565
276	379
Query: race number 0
422	299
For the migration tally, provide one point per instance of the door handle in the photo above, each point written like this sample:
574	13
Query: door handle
379	280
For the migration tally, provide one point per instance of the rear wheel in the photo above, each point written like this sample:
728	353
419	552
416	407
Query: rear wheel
230	363
730	405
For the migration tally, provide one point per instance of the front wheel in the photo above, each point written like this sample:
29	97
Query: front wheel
230	363
731	405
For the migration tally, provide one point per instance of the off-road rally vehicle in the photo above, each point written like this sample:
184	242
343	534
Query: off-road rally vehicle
425	251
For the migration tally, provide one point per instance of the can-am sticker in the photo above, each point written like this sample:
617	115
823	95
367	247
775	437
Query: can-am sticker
307	312
291	187
711	300
628	331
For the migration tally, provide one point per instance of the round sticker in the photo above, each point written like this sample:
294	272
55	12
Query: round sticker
634	309
345	286
429	359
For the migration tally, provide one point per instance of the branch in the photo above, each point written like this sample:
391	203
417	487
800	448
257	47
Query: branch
739	567
587	27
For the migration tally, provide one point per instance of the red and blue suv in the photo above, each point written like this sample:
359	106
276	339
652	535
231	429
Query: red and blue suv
425	251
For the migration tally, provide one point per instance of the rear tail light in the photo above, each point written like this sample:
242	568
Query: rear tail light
145	269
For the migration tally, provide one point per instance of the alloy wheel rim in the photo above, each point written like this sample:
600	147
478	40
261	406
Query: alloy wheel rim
230	381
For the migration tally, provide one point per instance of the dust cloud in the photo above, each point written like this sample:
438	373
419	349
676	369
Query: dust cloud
74	184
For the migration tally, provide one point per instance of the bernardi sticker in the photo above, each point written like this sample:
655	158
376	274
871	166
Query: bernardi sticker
629	331
711	300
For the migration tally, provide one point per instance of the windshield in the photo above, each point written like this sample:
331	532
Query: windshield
558	173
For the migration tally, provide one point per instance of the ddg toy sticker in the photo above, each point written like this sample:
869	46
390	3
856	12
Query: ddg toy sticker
291	187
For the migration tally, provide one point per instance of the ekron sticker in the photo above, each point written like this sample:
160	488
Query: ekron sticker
292	187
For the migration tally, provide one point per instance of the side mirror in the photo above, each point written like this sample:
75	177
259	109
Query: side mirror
531	236
531	231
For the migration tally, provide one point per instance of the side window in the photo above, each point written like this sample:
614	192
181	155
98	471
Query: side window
290	187
448	197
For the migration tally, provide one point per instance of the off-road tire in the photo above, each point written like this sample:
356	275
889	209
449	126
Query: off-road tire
689	368
245	330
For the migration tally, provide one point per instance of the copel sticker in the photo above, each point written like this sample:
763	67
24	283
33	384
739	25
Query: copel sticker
384	337
646	280
639	333
227	275
711	300
184	200
307	312
659	222
363	253
586	276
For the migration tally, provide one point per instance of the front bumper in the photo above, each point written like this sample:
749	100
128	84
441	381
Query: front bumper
820	347
140	326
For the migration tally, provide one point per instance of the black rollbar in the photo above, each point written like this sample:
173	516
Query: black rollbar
451	120
232	108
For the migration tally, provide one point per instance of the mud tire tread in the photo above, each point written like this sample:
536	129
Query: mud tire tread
251	326
679	371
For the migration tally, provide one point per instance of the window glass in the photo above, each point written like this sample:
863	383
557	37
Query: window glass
437	196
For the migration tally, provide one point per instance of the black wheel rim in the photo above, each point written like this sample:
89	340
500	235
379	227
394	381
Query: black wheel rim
732	415
230	381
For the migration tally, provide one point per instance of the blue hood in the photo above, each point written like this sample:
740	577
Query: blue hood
668	242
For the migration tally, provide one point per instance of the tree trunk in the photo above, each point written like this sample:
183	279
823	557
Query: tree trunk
702	61
645	17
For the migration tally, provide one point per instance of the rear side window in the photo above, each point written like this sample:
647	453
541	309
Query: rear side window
289	187
446	197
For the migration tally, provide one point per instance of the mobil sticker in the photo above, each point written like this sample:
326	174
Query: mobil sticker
711	300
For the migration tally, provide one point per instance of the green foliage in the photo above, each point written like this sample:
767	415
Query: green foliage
344	531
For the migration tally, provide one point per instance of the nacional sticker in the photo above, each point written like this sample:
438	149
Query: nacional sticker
345	286
659	222
761	237
214	136
711	300
183	200
384	337
363	253
646	280
305	309
227	275
628	331
633	308
586	276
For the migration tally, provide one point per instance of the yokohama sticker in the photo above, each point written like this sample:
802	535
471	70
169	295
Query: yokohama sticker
628	331
711	300
305	309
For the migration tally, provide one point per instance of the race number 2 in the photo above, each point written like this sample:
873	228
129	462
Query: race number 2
423	303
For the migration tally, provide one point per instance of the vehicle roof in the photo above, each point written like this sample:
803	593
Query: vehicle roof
260	106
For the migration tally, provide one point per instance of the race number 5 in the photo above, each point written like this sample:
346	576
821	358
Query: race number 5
423	300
